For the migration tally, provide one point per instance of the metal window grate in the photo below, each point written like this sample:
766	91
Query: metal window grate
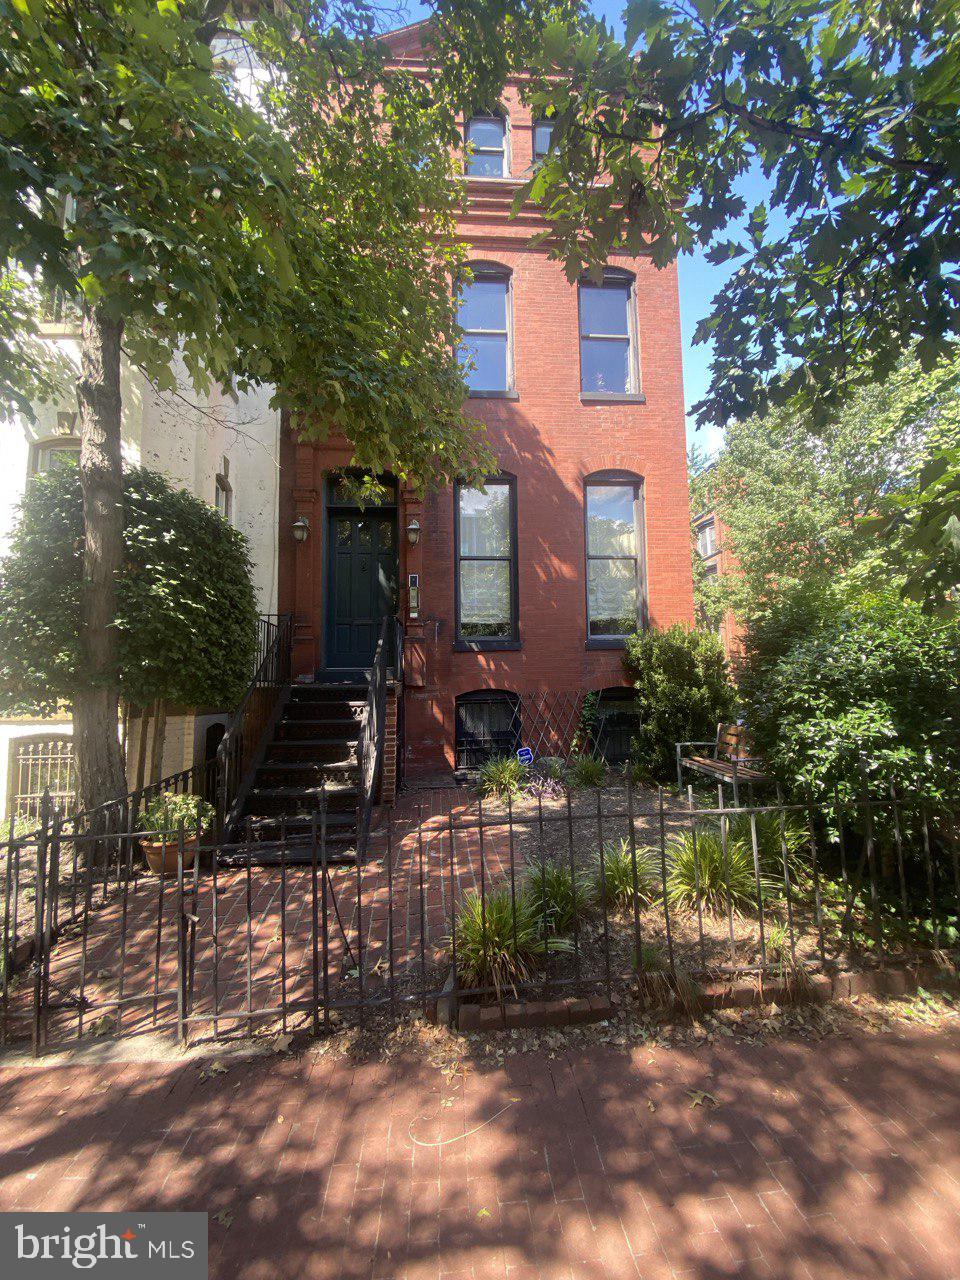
39	765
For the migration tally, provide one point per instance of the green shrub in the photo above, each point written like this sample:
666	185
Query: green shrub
497	947
870	685
167	811
584	772
186	617
682	693
558	895
551	767
716	883
616	882
501	777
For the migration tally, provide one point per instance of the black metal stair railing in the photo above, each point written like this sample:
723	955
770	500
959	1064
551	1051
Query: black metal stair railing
372	725
254	719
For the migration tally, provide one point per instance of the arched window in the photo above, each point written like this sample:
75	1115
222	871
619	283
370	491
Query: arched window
608	359
616	574
53	454
486	137
485	316
488	724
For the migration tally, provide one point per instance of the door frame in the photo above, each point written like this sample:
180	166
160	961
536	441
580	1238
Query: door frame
329	510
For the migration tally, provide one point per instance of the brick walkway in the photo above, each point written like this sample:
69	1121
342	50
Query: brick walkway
834	1160
130	946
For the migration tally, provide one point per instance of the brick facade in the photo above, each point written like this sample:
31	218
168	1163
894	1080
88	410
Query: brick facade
550	439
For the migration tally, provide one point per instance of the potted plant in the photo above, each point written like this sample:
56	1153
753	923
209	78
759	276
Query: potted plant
162	820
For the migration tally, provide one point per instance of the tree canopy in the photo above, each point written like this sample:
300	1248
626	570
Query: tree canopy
186	616
803	507
169	164
849	110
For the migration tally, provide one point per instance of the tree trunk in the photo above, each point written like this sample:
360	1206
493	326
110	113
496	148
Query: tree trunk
159	739
142	748
96	704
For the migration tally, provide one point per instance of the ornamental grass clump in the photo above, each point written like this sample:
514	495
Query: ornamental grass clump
769	843
659	986
792	975
558	895
613	875
699	873
584	772
502	777
499	940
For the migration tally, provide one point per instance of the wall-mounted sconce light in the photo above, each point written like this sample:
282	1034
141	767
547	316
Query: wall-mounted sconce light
413	532
301	529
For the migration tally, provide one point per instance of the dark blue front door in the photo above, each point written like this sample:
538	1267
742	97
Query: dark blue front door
361	584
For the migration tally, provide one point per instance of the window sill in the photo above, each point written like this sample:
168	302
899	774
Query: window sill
612	397
493	395
606	642
487	646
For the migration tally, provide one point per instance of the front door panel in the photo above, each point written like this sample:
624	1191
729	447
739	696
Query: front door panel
361	585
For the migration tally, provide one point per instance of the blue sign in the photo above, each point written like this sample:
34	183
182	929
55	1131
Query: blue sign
525	756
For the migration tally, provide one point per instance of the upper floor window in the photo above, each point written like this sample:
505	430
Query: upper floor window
486	552
484	316
615	572
542	138
707	538
63	450
607	360
486	135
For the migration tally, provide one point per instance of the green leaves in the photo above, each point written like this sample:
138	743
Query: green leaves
231	222
852	120
186	615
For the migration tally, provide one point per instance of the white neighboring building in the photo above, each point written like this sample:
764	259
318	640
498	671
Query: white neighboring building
226	450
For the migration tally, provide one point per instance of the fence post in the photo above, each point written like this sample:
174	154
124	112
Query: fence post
181	947
40	884
7	949
637	939
725	851
931	878
691	805
818	907
871	867
663	873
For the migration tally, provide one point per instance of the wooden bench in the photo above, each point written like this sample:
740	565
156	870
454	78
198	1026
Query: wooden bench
730	762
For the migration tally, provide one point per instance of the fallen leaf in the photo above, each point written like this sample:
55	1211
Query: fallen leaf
483	1213
701	1099
224	1217
651	1104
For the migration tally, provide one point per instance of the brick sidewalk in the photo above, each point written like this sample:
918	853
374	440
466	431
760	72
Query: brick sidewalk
837	1159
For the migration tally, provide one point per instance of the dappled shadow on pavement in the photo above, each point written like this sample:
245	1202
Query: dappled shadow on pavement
779	1159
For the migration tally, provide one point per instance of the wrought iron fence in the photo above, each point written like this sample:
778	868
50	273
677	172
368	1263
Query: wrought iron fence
253	719
553	892
41	763
370	744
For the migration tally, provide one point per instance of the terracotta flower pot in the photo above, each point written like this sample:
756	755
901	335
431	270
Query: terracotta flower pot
162	857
